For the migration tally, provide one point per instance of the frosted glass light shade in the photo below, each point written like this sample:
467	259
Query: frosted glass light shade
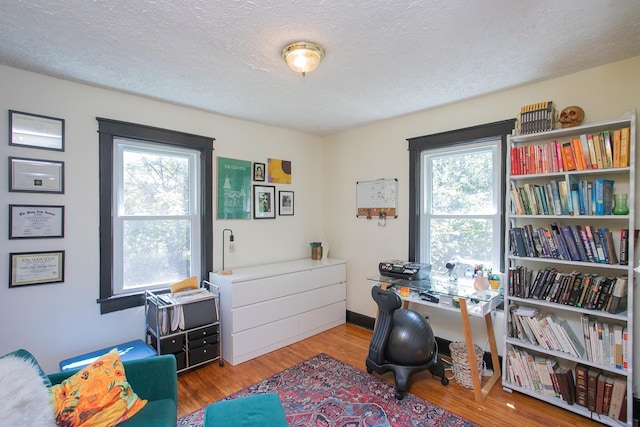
302	57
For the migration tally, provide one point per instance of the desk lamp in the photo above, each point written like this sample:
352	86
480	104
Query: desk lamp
232	249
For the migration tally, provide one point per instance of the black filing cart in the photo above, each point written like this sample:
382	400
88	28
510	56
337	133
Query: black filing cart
185	324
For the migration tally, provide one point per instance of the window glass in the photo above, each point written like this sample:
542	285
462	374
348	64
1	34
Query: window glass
156	233
461	199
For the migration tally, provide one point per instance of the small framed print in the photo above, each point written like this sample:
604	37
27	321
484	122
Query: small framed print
264	201
285	204
36	131
36	221
36	176
258	171
36	268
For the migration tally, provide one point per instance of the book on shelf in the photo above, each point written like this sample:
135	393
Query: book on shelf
600	393
581	384
568	157
595	140
624	245
592	387
625	348
553	367
617	397
544	376
581	163
603	189
608	150
618	299
608	389
624	146
616	147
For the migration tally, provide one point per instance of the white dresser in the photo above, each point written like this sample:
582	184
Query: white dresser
270	306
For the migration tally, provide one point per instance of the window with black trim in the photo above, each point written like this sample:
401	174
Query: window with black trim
155	210
457	190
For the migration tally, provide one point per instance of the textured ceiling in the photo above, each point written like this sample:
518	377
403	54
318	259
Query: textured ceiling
384	58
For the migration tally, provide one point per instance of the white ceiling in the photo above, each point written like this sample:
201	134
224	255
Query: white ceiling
384	58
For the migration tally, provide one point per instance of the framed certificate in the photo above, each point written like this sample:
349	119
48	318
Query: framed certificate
36	176
35	131
36	221
36	268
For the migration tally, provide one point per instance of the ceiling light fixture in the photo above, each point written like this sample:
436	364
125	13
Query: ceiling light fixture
303	57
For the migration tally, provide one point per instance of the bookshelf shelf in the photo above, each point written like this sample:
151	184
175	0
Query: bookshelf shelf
570	269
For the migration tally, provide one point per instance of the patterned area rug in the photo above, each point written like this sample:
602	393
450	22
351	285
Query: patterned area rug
323	391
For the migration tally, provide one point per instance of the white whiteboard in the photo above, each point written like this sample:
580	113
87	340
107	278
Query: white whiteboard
376	196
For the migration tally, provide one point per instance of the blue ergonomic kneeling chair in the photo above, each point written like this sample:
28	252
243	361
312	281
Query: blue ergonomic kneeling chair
402	342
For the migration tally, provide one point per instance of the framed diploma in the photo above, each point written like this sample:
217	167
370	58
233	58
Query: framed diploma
36	268
35	131
36	221
36	176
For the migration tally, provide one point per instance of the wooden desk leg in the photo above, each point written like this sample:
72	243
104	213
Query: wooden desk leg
479	391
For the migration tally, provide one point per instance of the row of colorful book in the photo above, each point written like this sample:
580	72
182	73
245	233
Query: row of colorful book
600	392
588	291
570	243
608	149
564	197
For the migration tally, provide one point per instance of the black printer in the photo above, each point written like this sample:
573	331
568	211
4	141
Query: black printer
404	270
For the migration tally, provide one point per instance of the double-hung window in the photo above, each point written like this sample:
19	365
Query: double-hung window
155	204
457	191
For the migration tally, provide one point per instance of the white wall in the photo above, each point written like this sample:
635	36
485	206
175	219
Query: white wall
57	321
62	320
380	151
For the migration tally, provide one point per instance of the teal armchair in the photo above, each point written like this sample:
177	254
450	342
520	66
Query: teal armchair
153	378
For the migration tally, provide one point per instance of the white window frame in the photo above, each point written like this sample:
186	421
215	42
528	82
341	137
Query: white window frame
426	215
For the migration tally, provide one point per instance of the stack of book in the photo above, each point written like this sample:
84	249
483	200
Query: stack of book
564	197
568	242
537	117
589	291
601	393
541	374
545	330
605	343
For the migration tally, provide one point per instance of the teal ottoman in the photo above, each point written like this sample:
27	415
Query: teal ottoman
257	410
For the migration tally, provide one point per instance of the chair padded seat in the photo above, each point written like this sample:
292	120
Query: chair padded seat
258	410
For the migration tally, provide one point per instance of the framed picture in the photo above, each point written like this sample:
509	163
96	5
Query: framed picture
36	221
234	189
36	176
36	268
36	131
285	205
264	201
258	171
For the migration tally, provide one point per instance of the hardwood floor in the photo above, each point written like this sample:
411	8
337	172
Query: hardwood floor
350	344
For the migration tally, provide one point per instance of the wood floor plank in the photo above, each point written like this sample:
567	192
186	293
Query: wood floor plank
350	344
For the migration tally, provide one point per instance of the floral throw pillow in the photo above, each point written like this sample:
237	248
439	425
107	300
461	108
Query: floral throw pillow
97	395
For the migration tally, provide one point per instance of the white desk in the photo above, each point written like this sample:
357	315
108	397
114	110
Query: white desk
472	303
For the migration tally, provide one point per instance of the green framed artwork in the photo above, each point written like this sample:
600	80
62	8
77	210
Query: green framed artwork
234	188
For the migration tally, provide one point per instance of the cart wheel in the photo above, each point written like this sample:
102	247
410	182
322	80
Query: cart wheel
221	362
444	381
399	395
